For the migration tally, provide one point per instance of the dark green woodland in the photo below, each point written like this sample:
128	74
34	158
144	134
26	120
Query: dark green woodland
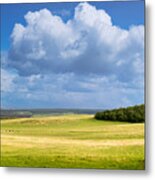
133	114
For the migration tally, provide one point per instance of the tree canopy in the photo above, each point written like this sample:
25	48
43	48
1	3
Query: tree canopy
133	114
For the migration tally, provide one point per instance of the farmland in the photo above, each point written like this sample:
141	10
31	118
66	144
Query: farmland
71	141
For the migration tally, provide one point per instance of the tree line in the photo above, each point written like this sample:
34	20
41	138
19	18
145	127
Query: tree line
133	114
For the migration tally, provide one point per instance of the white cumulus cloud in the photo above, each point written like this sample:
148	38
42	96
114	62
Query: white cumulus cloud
88	43
86	62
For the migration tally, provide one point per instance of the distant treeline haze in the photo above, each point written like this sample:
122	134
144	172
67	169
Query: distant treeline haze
133	114
130	114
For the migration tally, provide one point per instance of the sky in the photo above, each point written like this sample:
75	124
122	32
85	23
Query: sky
72	55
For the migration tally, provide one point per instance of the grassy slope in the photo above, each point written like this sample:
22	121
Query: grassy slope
72	141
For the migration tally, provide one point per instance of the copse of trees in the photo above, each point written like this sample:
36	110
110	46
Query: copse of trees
133	114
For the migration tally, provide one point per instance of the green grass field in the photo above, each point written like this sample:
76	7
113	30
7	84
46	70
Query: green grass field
71	141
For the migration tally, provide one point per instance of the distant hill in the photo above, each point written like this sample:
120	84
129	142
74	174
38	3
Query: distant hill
133	114
18	113
7	114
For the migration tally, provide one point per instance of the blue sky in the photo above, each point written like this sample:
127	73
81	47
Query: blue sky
72	55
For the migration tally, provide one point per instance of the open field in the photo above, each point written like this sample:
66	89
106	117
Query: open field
71	141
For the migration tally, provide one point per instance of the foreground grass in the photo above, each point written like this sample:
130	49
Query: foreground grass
71	141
